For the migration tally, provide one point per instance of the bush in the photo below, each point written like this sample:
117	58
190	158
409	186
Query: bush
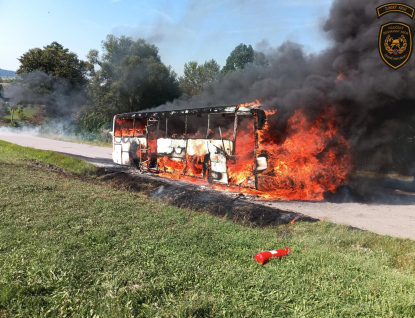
91	122
3	109
38	117
14	124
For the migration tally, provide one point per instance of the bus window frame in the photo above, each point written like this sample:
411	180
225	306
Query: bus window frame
144	132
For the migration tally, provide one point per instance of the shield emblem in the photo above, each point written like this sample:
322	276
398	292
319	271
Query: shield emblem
395	44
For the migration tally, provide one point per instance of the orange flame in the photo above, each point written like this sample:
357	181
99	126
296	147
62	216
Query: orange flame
255	103
171	165
293	220
339	78
117	128
313	159
242	167
194	165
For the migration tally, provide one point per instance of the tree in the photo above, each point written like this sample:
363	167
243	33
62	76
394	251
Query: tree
260	59
13	108
241	56
54	60
195	76
52	76
130	77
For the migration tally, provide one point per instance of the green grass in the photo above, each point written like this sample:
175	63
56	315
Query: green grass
73	248
30	111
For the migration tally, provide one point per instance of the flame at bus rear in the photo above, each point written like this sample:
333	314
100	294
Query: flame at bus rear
314	158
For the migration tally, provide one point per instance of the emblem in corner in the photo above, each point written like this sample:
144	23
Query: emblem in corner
395	44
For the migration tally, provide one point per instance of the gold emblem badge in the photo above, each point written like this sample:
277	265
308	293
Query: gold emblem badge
395	44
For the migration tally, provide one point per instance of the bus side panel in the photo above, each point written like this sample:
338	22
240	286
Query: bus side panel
174	148
125	151
218	173
116	153
171	155
116	140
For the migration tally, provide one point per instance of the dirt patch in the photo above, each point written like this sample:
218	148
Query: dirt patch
48	167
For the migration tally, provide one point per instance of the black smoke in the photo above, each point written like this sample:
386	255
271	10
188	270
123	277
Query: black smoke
373	101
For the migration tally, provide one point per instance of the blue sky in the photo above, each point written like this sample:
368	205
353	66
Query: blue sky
183	30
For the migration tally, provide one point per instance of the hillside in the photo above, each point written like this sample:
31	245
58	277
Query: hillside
6	73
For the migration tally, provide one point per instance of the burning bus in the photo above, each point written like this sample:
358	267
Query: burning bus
231	147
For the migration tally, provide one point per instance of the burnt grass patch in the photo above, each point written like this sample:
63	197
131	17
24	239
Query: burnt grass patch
233	206
45	166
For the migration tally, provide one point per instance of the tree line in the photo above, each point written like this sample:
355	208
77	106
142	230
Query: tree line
127	75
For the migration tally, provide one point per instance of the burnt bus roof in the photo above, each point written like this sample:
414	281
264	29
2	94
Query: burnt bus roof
242	110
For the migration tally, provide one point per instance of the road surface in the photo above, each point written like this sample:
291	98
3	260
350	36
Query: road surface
100	156
390	213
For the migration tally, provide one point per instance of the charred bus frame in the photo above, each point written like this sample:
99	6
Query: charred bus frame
197	142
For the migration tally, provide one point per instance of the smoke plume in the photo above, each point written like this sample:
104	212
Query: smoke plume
57	94
372	99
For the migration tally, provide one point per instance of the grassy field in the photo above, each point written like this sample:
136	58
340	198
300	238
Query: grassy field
73	246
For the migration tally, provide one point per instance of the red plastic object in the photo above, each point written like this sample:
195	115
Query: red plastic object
264	257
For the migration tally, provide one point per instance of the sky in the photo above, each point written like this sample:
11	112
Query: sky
183	30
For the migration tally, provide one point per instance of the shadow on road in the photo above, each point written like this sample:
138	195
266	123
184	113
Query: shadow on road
100	162
386	190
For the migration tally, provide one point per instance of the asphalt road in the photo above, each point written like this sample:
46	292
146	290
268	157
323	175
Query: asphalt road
389	212
100	156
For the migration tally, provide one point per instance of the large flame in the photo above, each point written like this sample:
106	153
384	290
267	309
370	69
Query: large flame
313	159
